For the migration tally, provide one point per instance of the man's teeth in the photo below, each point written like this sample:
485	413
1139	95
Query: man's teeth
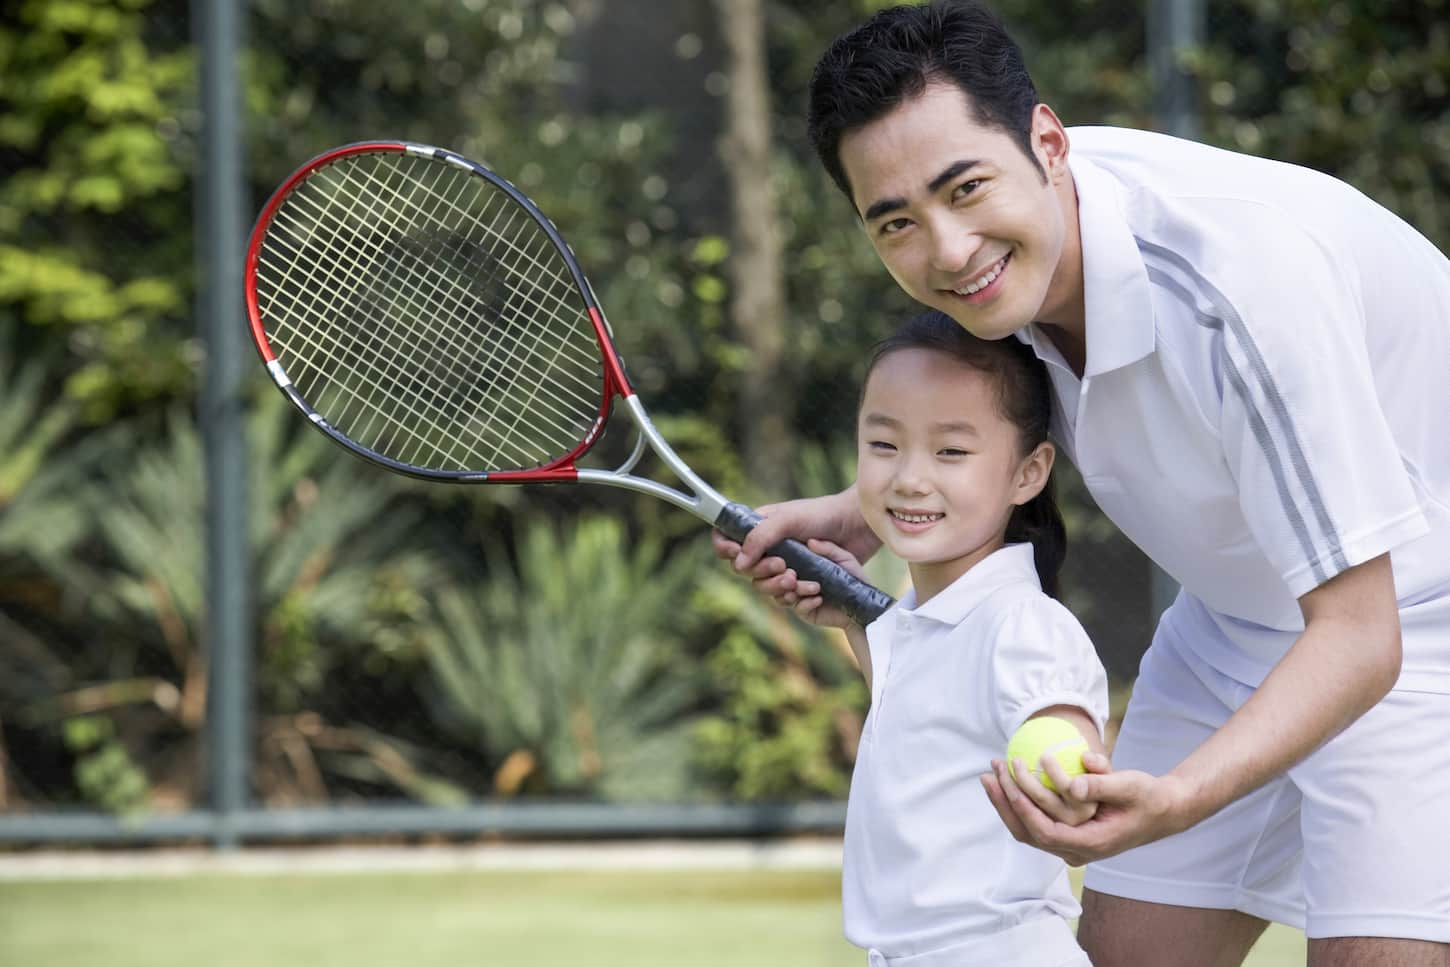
985	280
916	518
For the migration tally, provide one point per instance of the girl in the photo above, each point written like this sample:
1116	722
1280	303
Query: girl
953	477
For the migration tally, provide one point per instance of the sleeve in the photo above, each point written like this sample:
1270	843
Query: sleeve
1321	482
1041	657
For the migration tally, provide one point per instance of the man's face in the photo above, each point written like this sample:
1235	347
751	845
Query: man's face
961	217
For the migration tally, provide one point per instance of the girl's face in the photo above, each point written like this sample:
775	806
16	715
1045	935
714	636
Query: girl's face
939	469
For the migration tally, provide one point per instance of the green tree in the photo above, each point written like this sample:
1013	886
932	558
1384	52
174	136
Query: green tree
94	216
1359	89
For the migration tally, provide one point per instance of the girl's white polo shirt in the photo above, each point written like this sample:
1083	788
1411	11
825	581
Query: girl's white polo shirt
928	863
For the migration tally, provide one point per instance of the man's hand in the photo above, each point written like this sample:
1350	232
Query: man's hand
1132	808
835	518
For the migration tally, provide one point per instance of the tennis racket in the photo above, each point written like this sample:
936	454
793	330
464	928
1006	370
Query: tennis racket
424	314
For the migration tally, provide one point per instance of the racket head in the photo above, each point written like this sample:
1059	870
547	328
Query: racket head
422	312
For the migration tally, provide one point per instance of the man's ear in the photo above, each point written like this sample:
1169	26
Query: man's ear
1033	472
1049	143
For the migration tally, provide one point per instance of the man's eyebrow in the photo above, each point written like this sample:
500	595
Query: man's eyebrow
881	207
952	170
885	205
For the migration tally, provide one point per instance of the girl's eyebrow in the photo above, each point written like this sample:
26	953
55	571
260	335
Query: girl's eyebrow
943	426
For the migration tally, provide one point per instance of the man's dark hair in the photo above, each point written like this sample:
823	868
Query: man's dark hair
890	59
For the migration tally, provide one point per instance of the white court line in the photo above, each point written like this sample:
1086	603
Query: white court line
794	854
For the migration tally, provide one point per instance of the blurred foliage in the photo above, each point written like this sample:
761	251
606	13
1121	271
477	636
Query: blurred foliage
338	592
1356	88
94	216
600	659
791	701
570	672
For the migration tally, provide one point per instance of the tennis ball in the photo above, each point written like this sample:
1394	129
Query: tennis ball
1044	736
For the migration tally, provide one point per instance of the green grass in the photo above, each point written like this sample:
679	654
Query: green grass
539	919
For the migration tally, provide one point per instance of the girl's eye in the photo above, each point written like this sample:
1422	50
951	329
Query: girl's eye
952	452
882	446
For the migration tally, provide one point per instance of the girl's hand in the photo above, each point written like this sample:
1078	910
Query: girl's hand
836	518
1060	806
809	605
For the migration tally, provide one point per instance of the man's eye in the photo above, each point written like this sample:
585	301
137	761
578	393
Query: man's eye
966	188
895	225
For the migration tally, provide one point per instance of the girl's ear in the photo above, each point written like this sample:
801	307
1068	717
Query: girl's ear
1033	471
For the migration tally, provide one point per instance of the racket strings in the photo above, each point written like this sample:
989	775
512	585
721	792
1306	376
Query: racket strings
425	314
424	266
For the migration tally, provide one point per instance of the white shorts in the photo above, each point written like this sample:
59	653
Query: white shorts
1353	841
1043	942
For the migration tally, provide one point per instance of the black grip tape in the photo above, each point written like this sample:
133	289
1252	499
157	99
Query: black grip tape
862	602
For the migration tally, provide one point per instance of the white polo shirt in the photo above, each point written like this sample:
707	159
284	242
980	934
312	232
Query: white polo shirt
928	863
1266	399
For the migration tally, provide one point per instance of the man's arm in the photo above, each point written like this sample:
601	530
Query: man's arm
1346	660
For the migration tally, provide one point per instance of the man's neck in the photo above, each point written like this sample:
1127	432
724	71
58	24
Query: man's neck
1071	342
1065	322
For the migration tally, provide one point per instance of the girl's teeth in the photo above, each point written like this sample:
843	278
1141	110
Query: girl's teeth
917	518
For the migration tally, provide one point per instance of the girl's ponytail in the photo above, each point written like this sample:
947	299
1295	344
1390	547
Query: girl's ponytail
1039	522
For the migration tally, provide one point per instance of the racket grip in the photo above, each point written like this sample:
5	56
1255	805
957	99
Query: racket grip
861	602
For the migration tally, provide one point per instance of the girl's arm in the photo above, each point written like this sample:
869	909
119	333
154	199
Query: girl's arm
856	635
812	606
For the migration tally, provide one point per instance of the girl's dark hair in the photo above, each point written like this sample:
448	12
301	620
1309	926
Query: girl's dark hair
890	58
1024	398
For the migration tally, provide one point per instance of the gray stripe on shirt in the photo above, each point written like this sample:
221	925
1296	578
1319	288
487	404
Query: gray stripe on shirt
1229	321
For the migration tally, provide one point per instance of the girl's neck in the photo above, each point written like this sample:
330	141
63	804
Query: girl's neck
931	578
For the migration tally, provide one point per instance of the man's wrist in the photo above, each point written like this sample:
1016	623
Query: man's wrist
1190	800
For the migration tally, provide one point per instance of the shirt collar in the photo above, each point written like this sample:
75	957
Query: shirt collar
1012	564
1116	292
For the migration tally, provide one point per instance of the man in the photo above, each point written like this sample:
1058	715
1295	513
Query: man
1251	366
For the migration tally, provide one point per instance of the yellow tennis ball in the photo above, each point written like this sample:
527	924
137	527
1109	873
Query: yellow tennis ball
1044	736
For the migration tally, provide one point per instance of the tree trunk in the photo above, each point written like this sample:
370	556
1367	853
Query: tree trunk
757	307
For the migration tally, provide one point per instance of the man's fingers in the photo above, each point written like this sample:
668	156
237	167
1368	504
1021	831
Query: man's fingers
1116	788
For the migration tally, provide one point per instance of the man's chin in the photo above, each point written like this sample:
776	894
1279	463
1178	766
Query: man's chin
983	325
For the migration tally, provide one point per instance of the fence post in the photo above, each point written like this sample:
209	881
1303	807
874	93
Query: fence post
220	233
1174	28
